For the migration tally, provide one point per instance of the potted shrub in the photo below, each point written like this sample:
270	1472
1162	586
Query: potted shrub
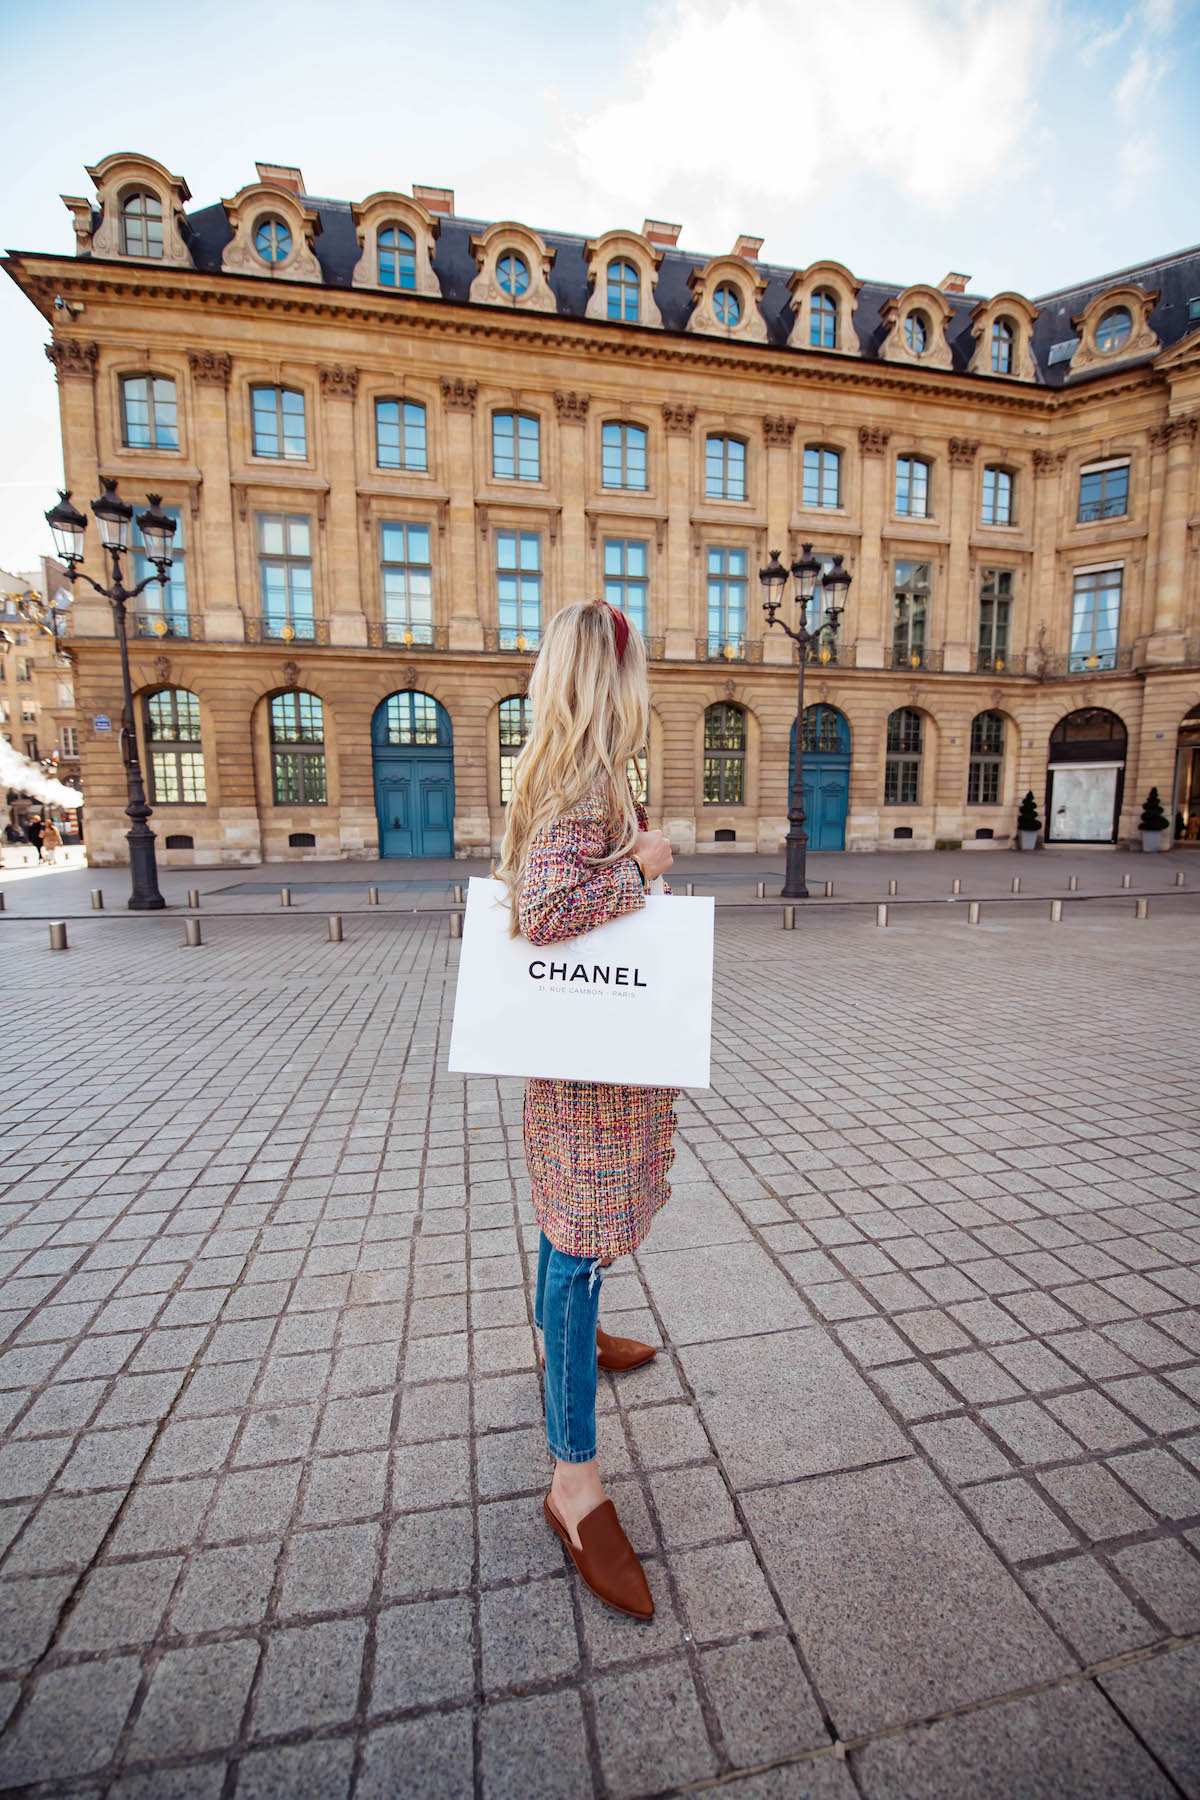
1153	822
1028	823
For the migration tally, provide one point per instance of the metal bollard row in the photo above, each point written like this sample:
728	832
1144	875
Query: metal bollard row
285	896
1016	884
829	890
956	885
372	896
191	934
194	898
973	913
458	893
58	934
455	925
760	892
1180	881
1126	881
789	918
893	886
1056	912
335	928
1141	909
1072	883
881	914
98	899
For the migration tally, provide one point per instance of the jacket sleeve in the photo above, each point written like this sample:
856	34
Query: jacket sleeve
563	893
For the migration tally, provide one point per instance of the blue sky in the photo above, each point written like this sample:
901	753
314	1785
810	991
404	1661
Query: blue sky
1028	144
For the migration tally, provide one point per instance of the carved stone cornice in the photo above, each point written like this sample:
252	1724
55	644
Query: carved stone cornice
963	452
1179	430
71	356
1048	462
873	440
572	407
678	419
211	368
778	432
459	395
339	381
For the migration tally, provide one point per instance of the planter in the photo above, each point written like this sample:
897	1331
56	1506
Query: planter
1152	842
1028	839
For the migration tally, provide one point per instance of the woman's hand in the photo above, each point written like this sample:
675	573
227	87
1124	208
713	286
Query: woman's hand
652	851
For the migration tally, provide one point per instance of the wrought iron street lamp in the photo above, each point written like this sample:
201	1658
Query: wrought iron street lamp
113	518
806	572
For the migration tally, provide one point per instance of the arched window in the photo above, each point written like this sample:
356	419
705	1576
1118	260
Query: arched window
172	724
725	468
277	416
724	754
142	224
822	476
397	258
516	449
624	291
413	720
512	272
902	770
912	487
987	758
916	333
400	438
825	732
1114	329
516	717
822	320
149	414
727	304
272	240
298	749
997	496
622	455
1003	342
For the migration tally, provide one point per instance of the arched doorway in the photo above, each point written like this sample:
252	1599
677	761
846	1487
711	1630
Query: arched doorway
1085	778
1186	821
826	775
413	757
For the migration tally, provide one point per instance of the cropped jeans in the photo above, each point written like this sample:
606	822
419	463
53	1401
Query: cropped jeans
566	1308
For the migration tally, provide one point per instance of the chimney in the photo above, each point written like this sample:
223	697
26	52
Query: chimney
280	175
660	233
435	200
953	283
748	247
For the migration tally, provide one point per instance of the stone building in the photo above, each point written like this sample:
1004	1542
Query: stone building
396	440
37	695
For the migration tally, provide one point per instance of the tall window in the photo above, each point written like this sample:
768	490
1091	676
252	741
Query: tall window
1103	491
727	304
142	225
519	588
726	599
624	289
725	468
397	258
400	435
512	272
622	455
822	320
516	453
724	755
285	575
415	719
298	749
822	476
69	738
910	614
912	487
902	769
997	496
278	419
1003	340
407	583
172	725
272	240
626	577
162	607
516	717
987	757
149	415
1095	619
995	608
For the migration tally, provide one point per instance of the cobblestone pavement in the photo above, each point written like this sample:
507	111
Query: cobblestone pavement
916	1474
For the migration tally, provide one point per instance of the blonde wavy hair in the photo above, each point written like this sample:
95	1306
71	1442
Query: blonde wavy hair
591	717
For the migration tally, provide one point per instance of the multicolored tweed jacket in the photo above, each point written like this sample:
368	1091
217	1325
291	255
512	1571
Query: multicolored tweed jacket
598	1155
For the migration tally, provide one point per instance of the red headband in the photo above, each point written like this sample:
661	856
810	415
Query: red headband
620	629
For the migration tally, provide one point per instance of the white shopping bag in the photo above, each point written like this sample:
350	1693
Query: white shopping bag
629	1003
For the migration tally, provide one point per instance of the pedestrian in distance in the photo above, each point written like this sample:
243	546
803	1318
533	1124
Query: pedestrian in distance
51	841
577	852
33	831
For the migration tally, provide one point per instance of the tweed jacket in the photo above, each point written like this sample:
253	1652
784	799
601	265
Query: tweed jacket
598	1155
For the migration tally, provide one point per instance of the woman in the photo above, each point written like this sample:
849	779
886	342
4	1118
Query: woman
51	841
577	853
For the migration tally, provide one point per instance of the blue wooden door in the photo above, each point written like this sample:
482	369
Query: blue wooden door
826	776
414	776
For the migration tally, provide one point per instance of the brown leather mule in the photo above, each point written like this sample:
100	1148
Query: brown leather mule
607	1561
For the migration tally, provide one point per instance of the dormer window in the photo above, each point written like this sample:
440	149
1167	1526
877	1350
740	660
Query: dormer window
397	258
142	224
916	333
727	304
1115	329
272	240
1003	340
822	320
624	290
512	272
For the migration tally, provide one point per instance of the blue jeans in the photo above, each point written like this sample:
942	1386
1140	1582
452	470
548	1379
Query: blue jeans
566	1307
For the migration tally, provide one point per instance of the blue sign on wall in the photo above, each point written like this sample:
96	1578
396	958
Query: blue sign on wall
101	722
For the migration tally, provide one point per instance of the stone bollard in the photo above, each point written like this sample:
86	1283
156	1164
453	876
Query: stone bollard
893	886
455	925
335	928
372	896
1056	912
1141	909
789	918
98	899
1016	884
760	891
973	913
191	934
881	914
458	893
956	885
194	898
829	890
689	887
1179	882
1126	881
58	934
1072	883
285	896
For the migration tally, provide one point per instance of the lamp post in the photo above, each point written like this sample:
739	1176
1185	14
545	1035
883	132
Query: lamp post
114	517
805	572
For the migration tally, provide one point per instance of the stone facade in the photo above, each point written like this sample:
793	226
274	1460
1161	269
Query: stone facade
906	375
